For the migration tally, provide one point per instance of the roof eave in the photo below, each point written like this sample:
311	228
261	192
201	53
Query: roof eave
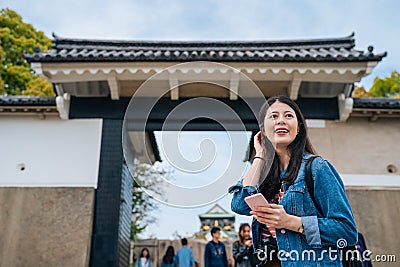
44	59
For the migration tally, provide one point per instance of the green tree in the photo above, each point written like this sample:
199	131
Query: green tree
386	87
360	92
146	178
18	38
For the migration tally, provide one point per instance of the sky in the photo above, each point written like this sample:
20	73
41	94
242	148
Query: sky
186	218
374	23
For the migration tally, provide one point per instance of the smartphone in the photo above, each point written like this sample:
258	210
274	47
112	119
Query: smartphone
256	200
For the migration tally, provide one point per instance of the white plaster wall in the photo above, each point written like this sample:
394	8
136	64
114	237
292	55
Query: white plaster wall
55	152
371	181
359	146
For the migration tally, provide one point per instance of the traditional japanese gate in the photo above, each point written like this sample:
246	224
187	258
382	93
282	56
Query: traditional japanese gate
96	80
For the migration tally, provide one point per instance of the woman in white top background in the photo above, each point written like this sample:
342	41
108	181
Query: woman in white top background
144	259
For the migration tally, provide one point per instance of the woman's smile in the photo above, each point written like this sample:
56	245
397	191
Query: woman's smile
281	131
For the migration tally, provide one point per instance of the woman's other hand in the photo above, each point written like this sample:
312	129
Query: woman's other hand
258	145
248	243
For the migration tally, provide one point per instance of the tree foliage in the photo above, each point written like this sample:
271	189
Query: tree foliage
359	91
147	178
18	38
386	87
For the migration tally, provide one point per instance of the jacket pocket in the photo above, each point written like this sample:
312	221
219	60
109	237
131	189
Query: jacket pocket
296	199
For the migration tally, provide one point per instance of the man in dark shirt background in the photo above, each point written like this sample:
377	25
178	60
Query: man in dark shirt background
215	253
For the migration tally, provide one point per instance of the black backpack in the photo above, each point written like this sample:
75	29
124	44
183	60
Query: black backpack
353	262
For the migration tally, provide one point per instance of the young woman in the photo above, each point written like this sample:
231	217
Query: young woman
169	258
144	259
305	237
243	248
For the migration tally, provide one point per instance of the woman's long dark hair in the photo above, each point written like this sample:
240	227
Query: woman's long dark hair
271	184
169	255
148	253
241	229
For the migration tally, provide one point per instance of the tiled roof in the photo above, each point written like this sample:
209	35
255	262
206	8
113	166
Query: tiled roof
27	101
382	103
26	105
377	103
311	50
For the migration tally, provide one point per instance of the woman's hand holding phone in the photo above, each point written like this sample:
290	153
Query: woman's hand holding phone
269	214
275	215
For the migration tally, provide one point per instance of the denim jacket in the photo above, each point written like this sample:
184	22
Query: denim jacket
322	231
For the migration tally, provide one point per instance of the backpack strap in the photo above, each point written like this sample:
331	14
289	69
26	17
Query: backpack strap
310	182
310	187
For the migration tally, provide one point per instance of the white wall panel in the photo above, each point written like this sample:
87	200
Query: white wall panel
49	152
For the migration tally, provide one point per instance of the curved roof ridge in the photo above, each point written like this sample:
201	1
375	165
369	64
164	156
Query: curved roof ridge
341	41
296	50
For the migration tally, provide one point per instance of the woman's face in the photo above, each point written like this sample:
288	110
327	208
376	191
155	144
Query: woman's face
246	233
280	125
145	253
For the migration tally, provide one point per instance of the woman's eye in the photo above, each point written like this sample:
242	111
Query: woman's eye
289	115
273	116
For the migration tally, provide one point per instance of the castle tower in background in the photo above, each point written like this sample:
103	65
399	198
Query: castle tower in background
217	216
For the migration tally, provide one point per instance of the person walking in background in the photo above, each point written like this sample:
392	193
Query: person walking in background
144	259
215	253
169	258
184	256
243	248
